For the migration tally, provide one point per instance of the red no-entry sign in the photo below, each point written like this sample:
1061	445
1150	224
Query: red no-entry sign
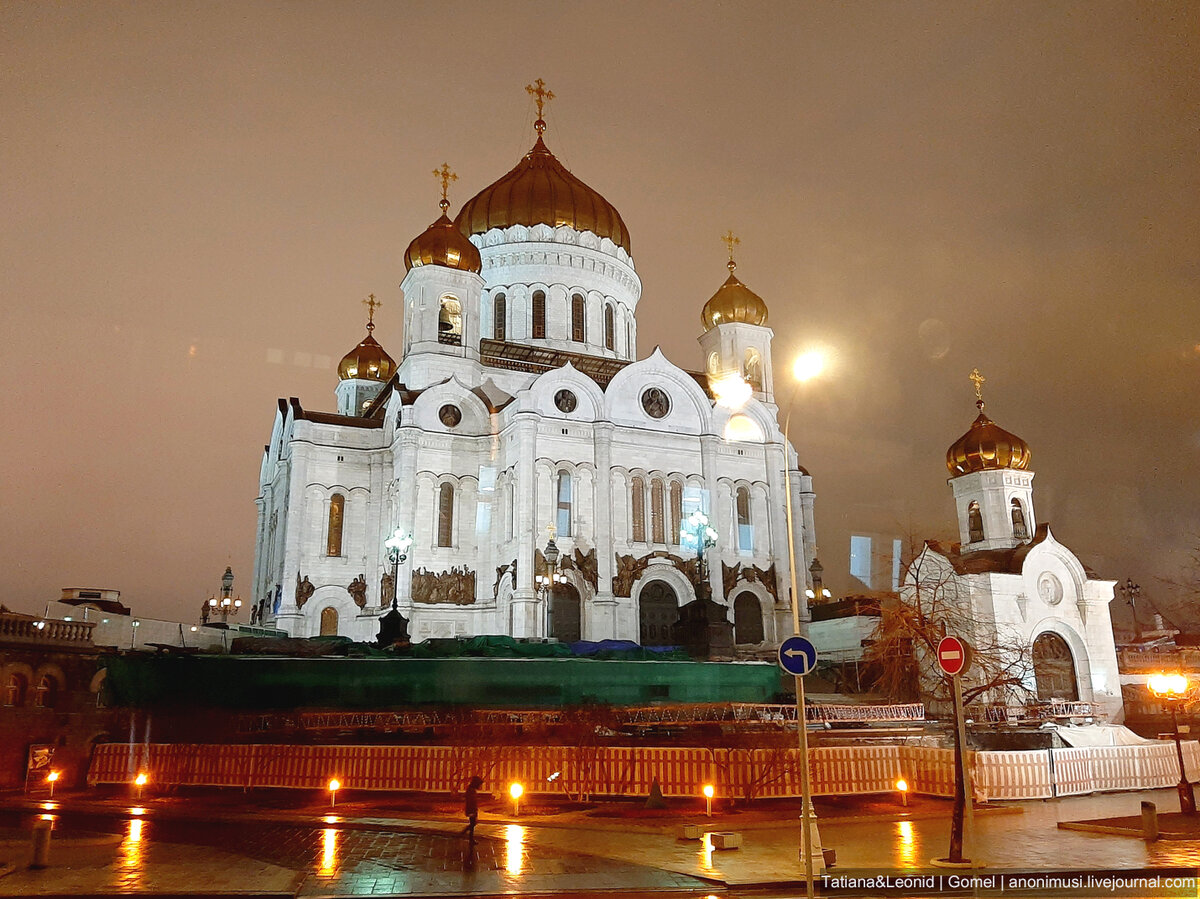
952	655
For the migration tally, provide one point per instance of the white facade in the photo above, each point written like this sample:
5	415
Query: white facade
488	434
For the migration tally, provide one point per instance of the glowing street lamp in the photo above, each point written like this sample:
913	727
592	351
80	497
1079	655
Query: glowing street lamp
334	786
515	790
52	779
902	789
392	627
547	582
708	797
140	783
1171	688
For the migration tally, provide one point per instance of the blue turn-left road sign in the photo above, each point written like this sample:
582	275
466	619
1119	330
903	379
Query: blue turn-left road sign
797	656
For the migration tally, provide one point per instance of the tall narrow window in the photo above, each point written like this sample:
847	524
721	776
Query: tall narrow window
657	519
676	511
610	338
511	520
337	507
450	322
47	693
329	622
1020	529
578	333
499	314
637	507
563	518
445	529
629	353
539	314
745	533
974	523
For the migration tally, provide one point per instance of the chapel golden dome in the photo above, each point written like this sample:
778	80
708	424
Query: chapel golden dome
368	361
733	301
986	446
442	243
540	191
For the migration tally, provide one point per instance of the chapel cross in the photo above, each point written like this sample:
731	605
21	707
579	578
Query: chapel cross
372	304
978	379
730	241
540	96
445	176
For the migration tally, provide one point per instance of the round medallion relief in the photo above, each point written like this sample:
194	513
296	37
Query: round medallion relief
565	401
1050	589
656	402
450	415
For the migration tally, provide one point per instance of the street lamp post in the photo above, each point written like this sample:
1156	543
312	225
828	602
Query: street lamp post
1171	688
1131	592
819	592
704	536
546	582
391	625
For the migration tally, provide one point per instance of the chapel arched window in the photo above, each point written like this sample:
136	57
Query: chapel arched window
1020	528
974	523
499	316
445	522
637	509
745	532
578	318
539	314
676	511
610	338
657	519
450	322
563	513
337	509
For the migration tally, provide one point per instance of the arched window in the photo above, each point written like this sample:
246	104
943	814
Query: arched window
499	317
329	622
974	523
337	508
745	532
47	693
610	337
18	686
450	322
1054	668
539	314
1020	529
657	519
629	352
676	511
747	618
563	517
511	522
445	522
637	507
754	369
578	332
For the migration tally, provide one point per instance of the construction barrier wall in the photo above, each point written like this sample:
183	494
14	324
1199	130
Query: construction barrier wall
580	771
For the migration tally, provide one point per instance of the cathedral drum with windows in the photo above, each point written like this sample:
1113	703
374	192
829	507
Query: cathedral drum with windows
1022	585
519	402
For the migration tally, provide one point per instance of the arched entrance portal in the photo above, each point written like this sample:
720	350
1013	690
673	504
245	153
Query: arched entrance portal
658	610
747	618
329	622
565	614
1054	668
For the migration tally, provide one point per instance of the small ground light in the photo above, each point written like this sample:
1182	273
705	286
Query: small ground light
140	782
52	779
902	788
515	790
708	796
334	786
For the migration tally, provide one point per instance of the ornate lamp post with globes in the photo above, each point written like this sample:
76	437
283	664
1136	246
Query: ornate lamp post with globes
392	626
546	582
1171	689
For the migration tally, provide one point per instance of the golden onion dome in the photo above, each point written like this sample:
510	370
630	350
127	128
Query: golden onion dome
443	244
733	302
539	190
986	447
368	361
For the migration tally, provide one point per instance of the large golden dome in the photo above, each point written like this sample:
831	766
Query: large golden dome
539	190
985	447
733	302
368	361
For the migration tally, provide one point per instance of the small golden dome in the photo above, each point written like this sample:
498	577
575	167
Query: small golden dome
539	190
443	244
733	302
986	447
368	361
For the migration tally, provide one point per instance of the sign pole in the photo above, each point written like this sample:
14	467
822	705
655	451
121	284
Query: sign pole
960	715
805	789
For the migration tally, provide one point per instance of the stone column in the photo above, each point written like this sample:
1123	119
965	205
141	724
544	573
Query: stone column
602	620
527	622
708	470
404	515
290	618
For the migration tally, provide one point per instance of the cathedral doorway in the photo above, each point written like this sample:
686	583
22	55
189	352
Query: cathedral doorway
747	618
658	610
1054	668
329	622
565	623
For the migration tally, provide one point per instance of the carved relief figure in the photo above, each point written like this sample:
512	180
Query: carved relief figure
304	590
387	589
358	591
453	587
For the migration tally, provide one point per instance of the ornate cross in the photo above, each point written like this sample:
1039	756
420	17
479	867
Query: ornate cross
445	176
978	379
541	96
372	304
730	241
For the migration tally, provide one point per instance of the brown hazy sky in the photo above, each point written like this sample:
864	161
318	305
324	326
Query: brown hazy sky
190	191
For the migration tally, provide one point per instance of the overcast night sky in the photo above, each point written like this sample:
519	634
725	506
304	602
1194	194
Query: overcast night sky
194	198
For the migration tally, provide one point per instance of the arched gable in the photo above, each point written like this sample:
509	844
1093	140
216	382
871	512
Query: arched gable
690	408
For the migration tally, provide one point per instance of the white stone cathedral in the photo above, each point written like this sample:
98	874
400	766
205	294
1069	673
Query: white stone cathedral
1019	585
519	405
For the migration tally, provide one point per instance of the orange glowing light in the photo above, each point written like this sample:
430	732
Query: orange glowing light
515	790
335	785
708	791
141	779
902	785
52	776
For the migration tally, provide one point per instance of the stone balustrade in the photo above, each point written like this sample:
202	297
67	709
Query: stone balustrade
27	629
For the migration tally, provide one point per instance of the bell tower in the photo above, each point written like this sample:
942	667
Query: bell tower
364	370
736	340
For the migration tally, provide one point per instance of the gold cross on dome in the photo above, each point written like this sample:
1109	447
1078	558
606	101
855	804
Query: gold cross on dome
541	96
445	176
372	304
730	241
978	379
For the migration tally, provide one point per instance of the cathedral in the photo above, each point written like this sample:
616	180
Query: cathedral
535	477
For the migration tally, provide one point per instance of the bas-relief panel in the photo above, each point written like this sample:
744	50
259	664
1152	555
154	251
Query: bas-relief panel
453	587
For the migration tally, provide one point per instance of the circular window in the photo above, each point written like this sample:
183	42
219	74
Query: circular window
1050	589
656	402
450	415
565	401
